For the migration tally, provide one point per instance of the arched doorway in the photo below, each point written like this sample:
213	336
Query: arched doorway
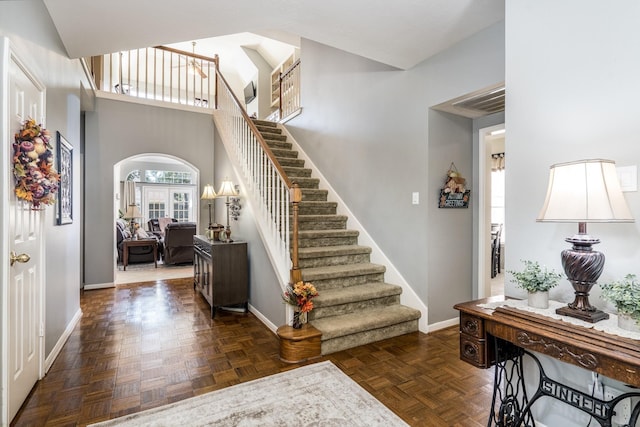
160	186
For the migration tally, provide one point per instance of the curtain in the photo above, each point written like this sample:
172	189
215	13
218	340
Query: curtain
497	162
129	194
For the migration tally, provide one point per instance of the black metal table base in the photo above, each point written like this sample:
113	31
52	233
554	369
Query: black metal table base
511	407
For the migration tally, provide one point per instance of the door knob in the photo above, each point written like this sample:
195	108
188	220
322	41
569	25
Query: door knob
19	258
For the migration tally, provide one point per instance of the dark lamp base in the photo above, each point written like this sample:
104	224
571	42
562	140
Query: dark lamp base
586	315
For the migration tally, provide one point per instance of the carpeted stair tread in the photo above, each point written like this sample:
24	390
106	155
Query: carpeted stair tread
350	294
284	153
310	218
265	123
286	161
268	129
365	320
295	172
303	181
283	145
315	234
268	136
326	251
334	271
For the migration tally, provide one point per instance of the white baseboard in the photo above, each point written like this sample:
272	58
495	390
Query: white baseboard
444	324
99	286
263	319
61	341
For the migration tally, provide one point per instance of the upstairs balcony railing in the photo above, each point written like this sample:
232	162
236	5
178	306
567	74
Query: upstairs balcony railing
158	73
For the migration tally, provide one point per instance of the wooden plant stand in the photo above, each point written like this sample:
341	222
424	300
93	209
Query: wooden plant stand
299	345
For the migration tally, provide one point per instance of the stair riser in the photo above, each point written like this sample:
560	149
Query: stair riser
342	282
321	225
333	260
313	196
298	172
362	338
316	209
353	307
306	182
327	241
265	123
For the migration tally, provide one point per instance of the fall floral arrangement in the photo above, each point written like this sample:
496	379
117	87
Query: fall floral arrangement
33	170
299	295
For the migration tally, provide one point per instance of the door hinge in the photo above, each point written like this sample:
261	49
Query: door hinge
41	329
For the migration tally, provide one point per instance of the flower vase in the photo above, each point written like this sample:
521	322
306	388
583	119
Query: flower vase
626	322
299	319
538	299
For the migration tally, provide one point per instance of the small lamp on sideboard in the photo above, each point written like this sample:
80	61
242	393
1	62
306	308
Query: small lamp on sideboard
209	195
227	189
583	191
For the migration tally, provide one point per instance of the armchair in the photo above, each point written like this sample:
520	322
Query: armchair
178	242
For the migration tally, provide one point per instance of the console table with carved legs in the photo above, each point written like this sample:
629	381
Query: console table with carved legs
504	336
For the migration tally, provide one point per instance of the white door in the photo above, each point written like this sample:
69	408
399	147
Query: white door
24	296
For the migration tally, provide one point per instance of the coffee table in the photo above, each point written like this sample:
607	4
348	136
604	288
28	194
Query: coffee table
127	243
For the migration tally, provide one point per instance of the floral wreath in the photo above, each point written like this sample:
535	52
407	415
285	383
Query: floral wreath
36	178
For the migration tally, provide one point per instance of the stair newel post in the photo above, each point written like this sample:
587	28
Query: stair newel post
215	96
296	197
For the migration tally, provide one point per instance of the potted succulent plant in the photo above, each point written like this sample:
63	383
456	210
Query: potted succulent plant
625	295
537	281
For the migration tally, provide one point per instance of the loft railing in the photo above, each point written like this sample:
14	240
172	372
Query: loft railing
288	94
290	91
158	73
272	191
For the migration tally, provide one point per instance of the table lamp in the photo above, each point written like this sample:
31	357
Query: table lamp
227	189
583	191
132	213
209	195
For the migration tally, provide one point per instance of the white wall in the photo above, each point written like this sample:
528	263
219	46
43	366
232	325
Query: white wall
36	42
367	127
572	72
117	130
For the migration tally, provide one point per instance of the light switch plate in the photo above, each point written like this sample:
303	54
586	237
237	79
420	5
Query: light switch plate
415	198
628	177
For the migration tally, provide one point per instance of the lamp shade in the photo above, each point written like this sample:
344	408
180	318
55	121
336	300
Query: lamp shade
132	212
584	191
208	193
227	189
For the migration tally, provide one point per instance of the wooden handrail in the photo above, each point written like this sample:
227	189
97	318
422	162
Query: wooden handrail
289	237
257	134
185	53
290	69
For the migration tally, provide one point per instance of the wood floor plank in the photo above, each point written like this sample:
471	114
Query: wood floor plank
140	346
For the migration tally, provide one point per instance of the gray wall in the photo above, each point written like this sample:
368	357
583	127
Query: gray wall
117	130
265	291
38	46
572	76
367	127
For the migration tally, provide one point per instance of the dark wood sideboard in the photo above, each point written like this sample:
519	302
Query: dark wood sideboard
221	273
504	335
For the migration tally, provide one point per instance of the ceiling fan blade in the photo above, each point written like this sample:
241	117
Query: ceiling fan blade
198	69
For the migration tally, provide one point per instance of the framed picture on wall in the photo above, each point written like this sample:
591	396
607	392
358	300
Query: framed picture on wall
65	192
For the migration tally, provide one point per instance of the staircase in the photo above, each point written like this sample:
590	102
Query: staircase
355	306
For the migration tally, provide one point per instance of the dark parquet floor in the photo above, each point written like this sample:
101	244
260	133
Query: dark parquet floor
145	345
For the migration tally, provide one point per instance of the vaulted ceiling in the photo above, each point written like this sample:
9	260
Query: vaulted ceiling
399	33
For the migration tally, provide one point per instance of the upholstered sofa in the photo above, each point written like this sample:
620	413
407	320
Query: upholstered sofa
137	254
178	242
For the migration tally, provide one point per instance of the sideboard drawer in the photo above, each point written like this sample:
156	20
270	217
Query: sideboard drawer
473	351
471	325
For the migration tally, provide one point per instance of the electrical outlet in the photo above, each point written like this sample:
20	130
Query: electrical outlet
622	409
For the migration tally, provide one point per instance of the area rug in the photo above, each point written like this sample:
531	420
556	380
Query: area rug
318	395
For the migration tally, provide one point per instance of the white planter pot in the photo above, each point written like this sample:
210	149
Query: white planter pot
538	299
628	323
